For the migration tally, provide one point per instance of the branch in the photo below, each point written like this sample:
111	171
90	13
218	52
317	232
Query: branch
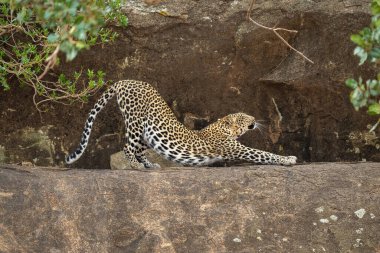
275	31
51	60
375	126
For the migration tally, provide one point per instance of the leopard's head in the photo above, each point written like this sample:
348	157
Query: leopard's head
235	125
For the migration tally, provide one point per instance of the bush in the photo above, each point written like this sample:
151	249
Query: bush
34	32
367	94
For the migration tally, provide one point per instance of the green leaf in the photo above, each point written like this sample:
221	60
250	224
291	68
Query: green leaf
21	16
70	55
81	45
351	83
73	8
375	7
90	73
371	84
357	39
363	58
4	10
359	51
52	38
62	78
77	75
123	20
92	84
5	84
374	109
375	53
47	14
92	41
85	98
374	93
376	22
100	74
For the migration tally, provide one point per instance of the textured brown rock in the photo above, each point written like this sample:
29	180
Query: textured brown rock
30	145
118	161
207	60
309	208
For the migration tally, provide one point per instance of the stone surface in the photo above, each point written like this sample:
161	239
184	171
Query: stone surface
307	208
207	61
119	162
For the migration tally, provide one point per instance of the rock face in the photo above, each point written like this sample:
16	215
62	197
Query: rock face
309	208
207	61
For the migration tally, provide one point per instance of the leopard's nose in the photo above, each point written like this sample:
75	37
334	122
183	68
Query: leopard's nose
253	126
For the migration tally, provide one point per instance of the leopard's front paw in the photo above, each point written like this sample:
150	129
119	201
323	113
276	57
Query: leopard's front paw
155	166
289	160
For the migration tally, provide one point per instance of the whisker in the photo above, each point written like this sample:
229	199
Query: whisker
261	132
259	125
261	128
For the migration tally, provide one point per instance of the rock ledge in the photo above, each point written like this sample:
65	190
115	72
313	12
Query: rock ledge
307	208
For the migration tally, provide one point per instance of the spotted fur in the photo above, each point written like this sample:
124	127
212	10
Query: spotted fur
150	123
222	136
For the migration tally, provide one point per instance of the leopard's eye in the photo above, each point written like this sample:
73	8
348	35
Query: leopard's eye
227	123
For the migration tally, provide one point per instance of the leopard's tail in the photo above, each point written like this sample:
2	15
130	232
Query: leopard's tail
102	101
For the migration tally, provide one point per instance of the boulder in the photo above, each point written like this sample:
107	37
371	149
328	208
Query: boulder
326	207
118	161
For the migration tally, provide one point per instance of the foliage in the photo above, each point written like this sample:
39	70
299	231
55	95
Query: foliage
33	32
367	94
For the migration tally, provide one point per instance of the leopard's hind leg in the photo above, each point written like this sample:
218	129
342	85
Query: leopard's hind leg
135	146
132	148
130	155
140	156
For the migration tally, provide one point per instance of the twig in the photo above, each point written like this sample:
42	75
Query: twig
275	31
375	126
51	60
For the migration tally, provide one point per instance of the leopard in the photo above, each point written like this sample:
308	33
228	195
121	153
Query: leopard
149	123
222	135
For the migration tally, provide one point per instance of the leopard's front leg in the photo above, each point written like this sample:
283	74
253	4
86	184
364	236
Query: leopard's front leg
247	154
